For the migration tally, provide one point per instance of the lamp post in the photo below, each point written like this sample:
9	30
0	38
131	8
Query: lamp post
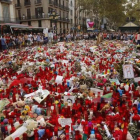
54	16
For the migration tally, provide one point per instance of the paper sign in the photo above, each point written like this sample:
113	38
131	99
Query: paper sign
19	132
65	122
42	96
69	99
59	79
137	79
128	71
38	95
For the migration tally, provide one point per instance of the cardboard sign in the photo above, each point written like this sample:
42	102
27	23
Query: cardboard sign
65	121
128	71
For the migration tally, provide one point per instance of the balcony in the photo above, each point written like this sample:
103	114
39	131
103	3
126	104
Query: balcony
56	4
35	17
8	20
18	5
65	20
6	1
60	6
38	2
27	3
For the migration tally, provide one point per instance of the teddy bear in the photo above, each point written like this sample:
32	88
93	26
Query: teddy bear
28	127
25	112
19	105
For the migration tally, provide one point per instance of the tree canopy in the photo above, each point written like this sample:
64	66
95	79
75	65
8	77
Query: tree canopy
114	10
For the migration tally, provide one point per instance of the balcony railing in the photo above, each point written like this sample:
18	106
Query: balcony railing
38	1
8	20
65	20
17	5
6	1
56	4
34	17
27	3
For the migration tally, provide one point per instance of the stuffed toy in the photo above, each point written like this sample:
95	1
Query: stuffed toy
28	127
41	122
25	112
36	110
19	105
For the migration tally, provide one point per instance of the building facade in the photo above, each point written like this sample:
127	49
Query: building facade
72	14
80	17
7	12
52	14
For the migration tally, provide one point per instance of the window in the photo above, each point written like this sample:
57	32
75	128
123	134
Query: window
50	10
39	23
28	13
71	12
19	14
18	1
38	12
26	1
71	4
60	13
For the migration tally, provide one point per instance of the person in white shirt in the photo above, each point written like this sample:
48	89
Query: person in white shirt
29	39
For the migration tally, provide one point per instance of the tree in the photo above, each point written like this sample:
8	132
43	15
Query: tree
111	9
132	11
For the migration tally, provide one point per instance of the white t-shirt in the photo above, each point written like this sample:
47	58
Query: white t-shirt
29	37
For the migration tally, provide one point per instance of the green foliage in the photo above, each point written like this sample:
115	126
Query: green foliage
111	9
133	10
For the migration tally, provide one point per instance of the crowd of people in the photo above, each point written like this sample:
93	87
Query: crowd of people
21	40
